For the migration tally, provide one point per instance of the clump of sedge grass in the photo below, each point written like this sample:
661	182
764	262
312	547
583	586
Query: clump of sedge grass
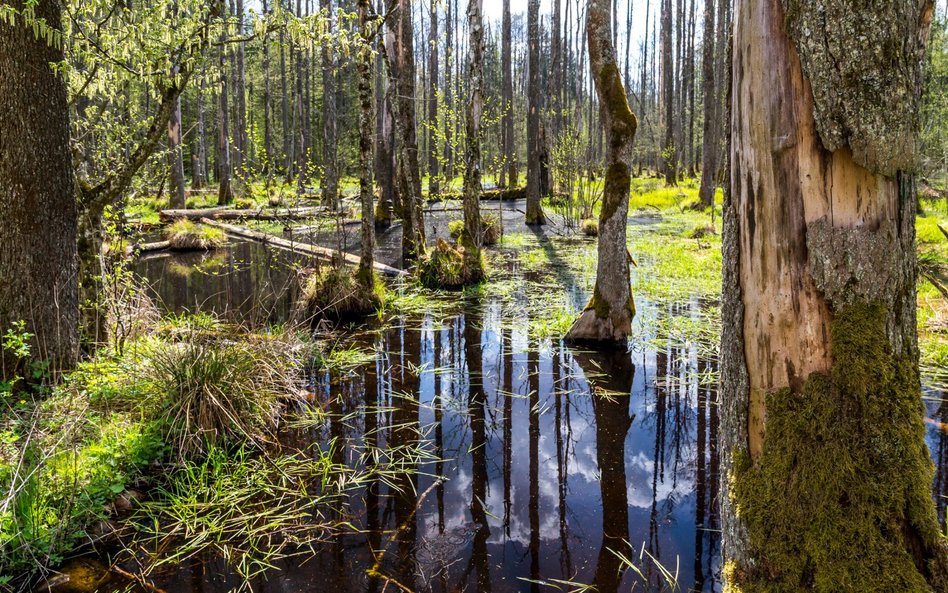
490	229
185	235
590	227
446	266
335	292
216	391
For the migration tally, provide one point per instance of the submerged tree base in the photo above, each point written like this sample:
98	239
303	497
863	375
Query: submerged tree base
336	292
841	497
598	323
447	266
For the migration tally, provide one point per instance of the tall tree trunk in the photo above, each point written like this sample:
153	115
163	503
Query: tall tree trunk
669	157
608	316
175	156
299	112
709	147
450	57
433	186
510	146
534	210
385	139
366	121
224	192
330	183
471	237
402	76
38	212
199	155
267	104
240	126
285	111
556	80
822	435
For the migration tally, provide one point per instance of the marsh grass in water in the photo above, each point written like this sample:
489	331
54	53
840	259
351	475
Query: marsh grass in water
186	235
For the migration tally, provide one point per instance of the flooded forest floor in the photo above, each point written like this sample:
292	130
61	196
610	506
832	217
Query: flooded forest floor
450	443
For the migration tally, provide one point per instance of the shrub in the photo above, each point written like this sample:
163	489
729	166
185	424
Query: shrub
185	235
490	229
590	227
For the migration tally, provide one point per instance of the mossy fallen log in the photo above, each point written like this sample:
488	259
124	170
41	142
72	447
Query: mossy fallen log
237	214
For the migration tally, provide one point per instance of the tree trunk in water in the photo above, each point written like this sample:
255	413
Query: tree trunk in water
175	156
434	188
366	122
510	146
384	141
827	478
608	316
534	210
402	77
471	238
669	158
330	184
709	148
38	213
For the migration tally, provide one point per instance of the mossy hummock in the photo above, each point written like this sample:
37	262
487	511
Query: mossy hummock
840	499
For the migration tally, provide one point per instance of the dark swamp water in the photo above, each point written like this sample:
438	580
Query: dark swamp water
542	464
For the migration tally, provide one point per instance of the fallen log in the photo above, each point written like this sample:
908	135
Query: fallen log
297	247
234	214
510	193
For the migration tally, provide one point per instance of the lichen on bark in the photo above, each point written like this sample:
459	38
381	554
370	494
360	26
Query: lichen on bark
840	499
863	61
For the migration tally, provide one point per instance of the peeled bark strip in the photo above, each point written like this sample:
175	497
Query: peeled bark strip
38	249
828	476
608	316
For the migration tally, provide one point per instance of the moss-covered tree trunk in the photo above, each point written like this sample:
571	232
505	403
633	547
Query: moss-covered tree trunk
471	238
608	316
828	477
366	138
534	209
38	214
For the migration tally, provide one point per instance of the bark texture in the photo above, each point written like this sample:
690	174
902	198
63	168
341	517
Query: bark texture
471	238
38	213
534	210
608	316
366	131
828	476
330	182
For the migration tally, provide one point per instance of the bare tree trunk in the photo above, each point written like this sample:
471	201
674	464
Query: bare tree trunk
38	212
199	155
534	210
402	78
608	316
285	111
822	432
366	117
330	182
385	140
471	238
240	125
175	156
669	157
449	96
709	148
510	147
224	192
433	186
267	107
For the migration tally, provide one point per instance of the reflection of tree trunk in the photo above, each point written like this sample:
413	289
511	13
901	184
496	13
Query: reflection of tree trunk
562	470
611	403
507	343
371	422
533	369
404	438
477	411
701	478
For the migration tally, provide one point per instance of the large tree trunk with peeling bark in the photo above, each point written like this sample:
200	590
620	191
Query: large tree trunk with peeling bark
38	212
471	236
828	477
608	316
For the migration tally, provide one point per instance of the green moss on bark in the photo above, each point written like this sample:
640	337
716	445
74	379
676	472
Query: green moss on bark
840	499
